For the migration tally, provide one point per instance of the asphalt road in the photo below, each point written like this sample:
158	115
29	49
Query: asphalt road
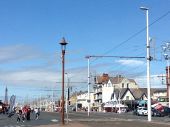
96	116
94	120
44	119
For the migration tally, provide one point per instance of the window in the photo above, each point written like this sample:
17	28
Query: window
127	85
127	97
122	85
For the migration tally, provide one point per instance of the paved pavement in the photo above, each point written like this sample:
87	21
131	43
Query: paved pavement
110	124
71	124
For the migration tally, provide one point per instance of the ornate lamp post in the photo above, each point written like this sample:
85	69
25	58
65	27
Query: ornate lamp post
63	44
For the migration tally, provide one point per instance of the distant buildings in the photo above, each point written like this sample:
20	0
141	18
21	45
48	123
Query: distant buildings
115	89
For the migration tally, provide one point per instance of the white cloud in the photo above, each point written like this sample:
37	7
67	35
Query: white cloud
130	62
25	65
41	77
19	52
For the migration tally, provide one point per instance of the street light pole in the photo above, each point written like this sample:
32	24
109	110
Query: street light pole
63	44
148	63
88	75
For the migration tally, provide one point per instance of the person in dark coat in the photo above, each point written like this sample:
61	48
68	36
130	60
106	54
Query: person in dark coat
28	113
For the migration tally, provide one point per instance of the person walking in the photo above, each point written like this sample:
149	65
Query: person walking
24	114
36	113
19	114
28	113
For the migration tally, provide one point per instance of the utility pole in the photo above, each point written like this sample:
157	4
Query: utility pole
88	70
89	86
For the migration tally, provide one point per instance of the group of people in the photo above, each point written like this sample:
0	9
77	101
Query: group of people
24	113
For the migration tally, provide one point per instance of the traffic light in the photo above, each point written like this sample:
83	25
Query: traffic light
69	102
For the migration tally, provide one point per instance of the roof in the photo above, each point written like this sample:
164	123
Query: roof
114	80
160	90
102	79
136	92
118	93
132	80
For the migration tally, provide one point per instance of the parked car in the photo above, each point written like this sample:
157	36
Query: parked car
142	111
72	108
156	112
166	111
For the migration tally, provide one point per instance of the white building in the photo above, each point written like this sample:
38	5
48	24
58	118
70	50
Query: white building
83	99
104	87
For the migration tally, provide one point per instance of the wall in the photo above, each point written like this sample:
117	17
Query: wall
107	91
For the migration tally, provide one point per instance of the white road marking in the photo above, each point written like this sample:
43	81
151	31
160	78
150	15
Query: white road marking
54	120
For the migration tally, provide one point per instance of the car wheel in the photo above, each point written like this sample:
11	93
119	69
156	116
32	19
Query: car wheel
154	114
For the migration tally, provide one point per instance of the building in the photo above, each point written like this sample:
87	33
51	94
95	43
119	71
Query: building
104	87
81	99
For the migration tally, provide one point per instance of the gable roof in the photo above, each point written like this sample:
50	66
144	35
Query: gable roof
138	93
119	93
127	89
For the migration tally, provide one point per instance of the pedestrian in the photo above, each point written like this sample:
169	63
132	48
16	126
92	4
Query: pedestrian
19	114
24	113
36	113
28	113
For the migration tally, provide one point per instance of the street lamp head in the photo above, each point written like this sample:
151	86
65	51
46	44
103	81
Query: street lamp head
166	56
164	48
144	8
63	44
168	45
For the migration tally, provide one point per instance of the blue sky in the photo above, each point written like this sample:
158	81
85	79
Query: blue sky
30	32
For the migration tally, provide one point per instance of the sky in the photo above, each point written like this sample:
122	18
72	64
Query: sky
31	30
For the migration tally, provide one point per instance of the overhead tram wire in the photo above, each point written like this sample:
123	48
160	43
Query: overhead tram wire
131	37
124	57
88	57
119	66
134	35
128	71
